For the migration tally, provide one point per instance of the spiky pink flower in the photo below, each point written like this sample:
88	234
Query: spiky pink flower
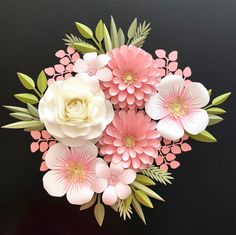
131	139
72	172
135	76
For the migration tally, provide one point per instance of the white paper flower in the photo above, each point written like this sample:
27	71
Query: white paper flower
92	64
75	110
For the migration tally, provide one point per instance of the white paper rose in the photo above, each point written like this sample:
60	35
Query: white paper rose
75	110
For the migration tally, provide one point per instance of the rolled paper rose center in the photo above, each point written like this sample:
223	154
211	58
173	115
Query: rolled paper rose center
129	79
74	106
75	172
177	108
129	141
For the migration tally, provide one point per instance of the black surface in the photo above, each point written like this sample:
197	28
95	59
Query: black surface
202	199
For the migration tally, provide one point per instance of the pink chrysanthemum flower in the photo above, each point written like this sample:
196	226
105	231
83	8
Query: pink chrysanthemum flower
131	139
72	172
135	77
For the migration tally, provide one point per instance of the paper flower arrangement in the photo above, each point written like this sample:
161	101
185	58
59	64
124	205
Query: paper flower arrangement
110	119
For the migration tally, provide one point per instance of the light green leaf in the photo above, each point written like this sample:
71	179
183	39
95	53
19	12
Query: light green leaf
42	82
210	92
143	198
99	212
215	110
23	124
27	98
107	39
26	81
220	99
35	128
89	204
114	33
33	110
204	136
214	119
128	200
84	47
16	109
22	116
138	210
114	207
138	41
99	31
147	190
121	37
84	30
143	179
132	29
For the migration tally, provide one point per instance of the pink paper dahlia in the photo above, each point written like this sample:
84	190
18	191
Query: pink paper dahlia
135	77
131	139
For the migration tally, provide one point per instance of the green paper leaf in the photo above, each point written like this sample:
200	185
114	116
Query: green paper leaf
99	31
204	136
121	37
107	39
22	116
144	180
84	47
16	109
35	128
143	198
26	81
99	212
42	82
214	119
89	204
221	99
138	210
114	207
84	30
23	124
128	200
147	190
33	110
132	29
114	33
210	92
138	41
215	110
27	98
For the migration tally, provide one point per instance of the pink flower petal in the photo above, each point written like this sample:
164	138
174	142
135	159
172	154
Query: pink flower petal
43	146
116	169
104	74
170	157
91	59
99	185
173	56
187	72
49	71
160	53
78	196
122	190
127	177
176	149
173	66
70	50
185	147
102	171
109	196
60	54
59	68
80	66
34	147
45	134
164	168
43	166
174	164
65	61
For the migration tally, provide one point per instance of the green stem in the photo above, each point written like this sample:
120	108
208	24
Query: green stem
98	45
208	106
37	92
99	198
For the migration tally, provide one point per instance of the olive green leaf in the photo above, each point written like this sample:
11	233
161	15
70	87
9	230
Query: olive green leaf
27	98
16	109
215	110
138	42
42	82
99	31
132	29
214	119
121	37
114	207
84	30
35	128
204	136
124	211
220	99
210	92
143	198
23	124
128	200
85	47
138	210
99	212
33	110
22	116
143	179
107	39
26	81
89	204
114	33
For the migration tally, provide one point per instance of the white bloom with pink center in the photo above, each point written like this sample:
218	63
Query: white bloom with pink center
72	172
178	107
94	65
113	181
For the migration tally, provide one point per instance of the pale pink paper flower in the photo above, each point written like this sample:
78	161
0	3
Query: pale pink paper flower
113	181
178	107
72	172
135	76
94	65
131	139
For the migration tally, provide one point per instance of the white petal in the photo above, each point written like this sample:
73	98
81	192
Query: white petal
99	185
102	171
127	177
109	112
80	66
155	107
104	74
195	122
102	60
122	190
91	81
170	128
91	59
53	184
109	196
79	196
198	95
88	148
55	153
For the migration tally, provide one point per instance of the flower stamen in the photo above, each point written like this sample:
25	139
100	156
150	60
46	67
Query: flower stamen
177	108
129	78
129	141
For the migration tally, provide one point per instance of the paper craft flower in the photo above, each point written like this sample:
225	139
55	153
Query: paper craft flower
123	141
72	172
178	107
94	65
135	77
75	110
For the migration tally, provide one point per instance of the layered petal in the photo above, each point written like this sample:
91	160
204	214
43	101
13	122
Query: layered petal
109	196
79	196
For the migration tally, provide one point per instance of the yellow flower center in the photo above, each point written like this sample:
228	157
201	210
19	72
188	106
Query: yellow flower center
129	78
177	108
75	172
129	141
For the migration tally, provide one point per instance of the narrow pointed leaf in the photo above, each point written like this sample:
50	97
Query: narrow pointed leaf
132	29
143	198
26	81
210	92
114	207
138	42
99	31
204	136
107	39
99	212
23	124
121	37
128	200
114	33
42	82
33	110
143	179
138	210
27	98
216	110
220	99
84	30
22	116
16	109
84	47
214	119
89	204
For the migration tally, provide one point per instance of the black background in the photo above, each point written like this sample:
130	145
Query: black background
201	199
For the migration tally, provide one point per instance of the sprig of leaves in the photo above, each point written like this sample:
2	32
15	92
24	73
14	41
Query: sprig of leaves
124	208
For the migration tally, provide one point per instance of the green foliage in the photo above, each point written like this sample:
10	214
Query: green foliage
42	82
84	47
132	29
124	208
215	110
107	39
99	31
25	124
99	212
143	198
90	203
143	179
204	136
114	33
121	37
214	119
84	30
27	98
136	205
221	98
26	81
